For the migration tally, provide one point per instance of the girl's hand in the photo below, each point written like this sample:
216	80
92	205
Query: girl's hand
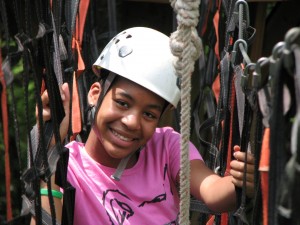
237	170
65	96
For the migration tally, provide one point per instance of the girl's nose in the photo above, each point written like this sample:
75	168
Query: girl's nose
132	121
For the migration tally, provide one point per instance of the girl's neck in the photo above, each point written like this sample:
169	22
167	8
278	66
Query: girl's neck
96	151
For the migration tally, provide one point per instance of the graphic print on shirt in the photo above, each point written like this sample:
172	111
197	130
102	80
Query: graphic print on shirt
115	202
118	205
158	198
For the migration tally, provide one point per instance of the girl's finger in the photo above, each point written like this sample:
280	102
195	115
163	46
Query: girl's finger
241	156
238	175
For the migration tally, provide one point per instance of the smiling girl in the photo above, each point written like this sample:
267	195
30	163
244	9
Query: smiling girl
127	172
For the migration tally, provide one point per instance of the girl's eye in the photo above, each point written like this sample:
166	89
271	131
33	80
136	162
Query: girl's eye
122	103
150	115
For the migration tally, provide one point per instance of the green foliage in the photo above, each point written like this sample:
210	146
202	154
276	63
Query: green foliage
18	127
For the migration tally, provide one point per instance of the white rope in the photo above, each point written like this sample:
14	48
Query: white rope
187	47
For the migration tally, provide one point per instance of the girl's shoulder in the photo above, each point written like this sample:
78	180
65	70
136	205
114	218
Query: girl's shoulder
163	132
74	146
164	137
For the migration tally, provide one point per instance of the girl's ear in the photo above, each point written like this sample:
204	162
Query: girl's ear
94	93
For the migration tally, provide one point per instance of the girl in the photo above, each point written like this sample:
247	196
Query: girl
127	172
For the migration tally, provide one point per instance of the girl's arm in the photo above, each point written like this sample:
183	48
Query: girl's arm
218	193
46	205
63	133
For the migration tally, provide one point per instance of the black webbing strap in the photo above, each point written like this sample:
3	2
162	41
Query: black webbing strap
296	139
208	124
69	14
112	18
39	167
62	161
198	206
289	197
256	144
205	100
231	21
43	13
222	107
22	41
278	138
46	217
241	192
70	11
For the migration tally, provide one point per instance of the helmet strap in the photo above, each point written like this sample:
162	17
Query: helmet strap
107	82
122	165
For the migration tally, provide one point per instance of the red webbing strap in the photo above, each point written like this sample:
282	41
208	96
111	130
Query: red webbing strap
264	171
211	221
231	107
216	21
216	87
224	216
6	142
204	26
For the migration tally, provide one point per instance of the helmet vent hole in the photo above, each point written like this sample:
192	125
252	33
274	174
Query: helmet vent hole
102	56
125	51
128	36
117	41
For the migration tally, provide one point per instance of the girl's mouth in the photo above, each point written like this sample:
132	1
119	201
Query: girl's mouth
121	137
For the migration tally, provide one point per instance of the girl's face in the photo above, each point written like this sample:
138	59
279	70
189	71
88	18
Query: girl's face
125	121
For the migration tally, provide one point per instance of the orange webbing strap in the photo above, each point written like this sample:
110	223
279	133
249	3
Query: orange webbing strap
80	19
216	20
80	63
76	45
6	142
76	115
264	171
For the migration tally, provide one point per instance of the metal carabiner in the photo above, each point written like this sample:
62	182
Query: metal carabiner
245	76
244	3
241	6
292	39
234	51
257	73
277	50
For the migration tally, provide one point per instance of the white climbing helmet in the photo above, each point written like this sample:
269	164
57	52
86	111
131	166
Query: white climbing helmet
143	56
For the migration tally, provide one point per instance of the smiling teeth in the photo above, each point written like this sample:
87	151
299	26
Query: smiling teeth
120	136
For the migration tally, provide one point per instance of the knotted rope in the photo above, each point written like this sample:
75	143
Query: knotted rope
187	47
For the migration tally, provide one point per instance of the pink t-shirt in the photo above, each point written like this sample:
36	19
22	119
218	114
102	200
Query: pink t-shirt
146	193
